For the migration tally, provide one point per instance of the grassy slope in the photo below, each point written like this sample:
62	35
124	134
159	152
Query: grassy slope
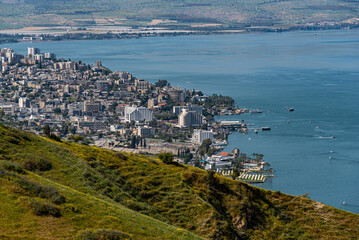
101	186
252	12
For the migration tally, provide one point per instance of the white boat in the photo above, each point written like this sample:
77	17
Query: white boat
255	111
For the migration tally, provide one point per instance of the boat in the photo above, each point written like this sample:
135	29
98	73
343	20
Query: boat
291	109
255	111
266	128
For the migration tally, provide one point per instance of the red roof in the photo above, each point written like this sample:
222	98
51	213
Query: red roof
224	154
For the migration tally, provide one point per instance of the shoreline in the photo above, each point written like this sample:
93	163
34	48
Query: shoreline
18	37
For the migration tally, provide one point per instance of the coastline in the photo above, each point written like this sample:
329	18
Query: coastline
316	160
13	36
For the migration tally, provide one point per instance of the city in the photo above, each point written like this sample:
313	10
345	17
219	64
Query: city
115	110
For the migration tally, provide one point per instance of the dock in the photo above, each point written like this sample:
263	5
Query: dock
254	178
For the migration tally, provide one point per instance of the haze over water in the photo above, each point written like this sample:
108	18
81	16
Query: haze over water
317	73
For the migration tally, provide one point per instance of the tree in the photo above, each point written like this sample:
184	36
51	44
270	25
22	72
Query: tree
161	83
235	174
77	138
211	151
47	130
153	123
112	107
188	157
203	149
57	111
166	157
133	142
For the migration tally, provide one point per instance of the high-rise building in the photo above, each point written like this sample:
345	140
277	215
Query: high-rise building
98	64
190	118
189	107
24	102
142	85
50	55
32	51
176	94
144	132
199	136
39	57
138	114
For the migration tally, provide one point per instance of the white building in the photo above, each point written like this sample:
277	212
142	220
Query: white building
189	107
8	108
138	114
50	55
199	136
219	161
39	57
32	51
190	118
144	132
24	102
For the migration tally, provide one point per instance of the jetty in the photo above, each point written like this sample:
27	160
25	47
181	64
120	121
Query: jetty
254	177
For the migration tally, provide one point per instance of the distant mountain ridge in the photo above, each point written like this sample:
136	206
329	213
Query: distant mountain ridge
229	14
66	190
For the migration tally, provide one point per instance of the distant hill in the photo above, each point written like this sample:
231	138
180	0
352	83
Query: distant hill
176	13
64	190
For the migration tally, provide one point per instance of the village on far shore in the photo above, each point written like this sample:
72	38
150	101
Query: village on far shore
64	99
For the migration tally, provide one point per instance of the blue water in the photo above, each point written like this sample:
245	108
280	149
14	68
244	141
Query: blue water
317	73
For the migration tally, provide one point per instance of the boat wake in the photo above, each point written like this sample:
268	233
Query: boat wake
322	137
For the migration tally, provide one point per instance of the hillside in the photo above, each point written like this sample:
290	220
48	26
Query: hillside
59	190
175	14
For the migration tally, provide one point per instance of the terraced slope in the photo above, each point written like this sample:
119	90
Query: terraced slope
52	189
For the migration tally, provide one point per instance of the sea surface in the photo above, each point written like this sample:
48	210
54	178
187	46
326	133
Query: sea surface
316	73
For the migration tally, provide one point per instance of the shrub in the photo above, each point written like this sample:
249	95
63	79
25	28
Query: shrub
12	140
132	205
189	176
55	137
38	190
120	155
166	157
42	209
71	208
42	165
14	167
102	234
30	165
3	172
77	138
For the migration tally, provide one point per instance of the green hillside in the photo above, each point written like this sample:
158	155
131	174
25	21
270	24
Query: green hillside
230	13
64	190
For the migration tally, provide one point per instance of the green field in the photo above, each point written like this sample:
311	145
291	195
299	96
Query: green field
185	13
64	190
